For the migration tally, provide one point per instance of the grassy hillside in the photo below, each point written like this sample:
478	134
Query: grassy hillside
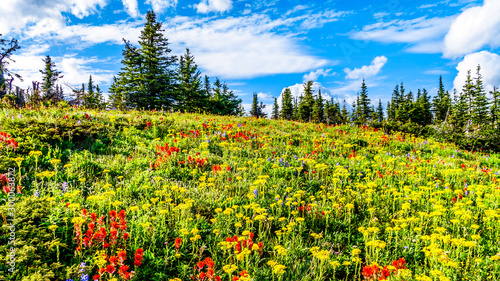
159	196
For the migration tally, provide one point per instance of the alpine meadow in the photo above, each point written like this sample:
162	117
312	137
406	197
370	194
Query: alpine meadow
220	140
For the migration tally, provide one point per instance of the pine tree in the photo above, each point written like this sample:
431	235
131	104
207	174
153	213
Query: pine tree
459	111
363	105
276	110
344	114
306	102
425	107
117	95
480	101
286	105
49	79
318	109
380	112
441	103
7	49
223	100
191	96
295	114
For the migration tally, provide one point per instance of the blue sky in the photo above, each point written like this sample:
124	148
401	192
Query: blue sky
265	46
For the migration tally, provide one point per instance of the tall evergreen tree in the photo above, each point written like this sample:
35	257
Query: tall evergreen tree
147	75
286	105
191	96
49	80
344	114
495	109
468	93
257	108
363	105
480	101
306	102
318	112
7	49
441	103
380	112
295	114
117	95
276	110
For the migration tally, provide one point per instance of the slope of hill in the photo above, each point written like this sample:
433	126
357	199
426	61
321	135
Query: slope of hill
159	196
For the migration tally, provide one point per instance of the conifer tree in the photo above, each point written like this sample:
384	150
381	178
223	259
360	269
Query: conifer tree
363	105
459	111
295	114
441	103
117	95
7	49
191	96
495	109
49	80
380	112
306	102
276	110
480	101
257	108
318	109
286	105
344	114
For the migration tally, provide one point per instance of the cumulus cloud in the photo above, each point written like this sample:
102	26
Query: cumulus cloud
17	14
490	69
314	75
367	71
474	29
207	6
242	47
425	35
131	7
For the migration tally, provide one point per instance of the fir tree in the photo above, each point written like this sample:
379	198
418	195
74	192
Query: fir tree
441	103
257	108
363	105
480	101
49	80
117	95
7	49
344	114
286	105
306	103
276	110
318	109
468	93
380	112
191	96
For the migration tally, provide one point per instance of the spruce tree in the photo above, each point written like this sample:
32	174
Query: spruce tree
344	114
380	111
7	49
276	110
306	102
117	95
191	96
480	101
363	105
441	103
318	109
49	80
286	105
295	114
495	109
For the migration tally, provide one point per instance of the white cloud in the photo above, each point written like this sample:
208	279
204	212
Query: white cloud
242	47
436	72
265	97
425	35
314	75
367	71
490	70
131	7
17	14
160	5
474	29
207	6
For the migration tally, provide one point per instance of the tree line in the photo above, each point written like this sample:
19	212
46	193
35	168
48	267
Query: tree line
470	118
150	79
